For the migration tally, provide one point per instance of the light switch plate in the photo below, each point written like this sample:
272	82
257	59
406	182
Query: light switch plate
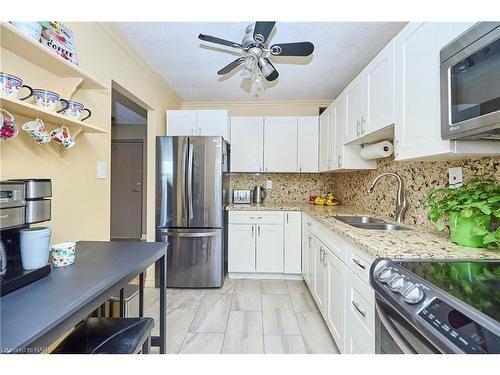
269	184
455	178
101	169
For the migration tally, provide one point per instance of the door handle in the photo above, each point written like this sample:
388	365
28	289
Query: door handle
190	180
183	179
189	235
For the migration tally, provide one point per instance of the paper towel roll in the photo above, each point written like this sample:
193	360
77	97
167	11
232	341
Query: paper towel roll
377	150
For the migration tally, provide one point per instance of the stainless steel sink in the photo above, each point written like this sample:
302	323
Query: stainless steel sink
380	226
357	219
366	222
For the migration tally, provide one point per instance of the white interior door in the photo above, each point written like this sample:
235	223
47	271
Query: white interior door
247	144
308	147
214	123
181	122
280	144
241	256
269	248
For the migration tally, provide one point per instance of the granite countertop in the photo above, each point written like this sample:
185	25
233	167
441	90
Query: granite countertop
418	243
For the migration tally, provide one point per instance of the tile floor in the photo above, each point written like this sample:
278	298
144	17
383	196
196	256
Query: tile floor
244	316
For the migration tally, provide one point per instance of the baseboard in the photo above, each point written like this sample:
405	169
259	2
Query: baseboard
275	276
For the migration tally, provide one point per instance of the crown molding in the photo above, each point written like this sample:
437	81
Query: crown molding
258	103
117	36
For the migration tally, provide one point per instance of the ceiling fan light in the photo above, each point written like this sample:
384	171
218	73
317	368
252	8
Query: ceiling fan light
247	73
250	62
265	67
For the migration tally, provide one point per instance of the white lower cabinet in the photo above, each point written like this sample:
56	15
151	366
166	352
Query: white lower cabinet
336	287
319	290
264	242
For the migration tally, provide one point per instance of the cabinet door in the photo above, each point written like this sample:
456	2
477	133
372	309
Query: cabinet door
241	248
247	144
181	122
307	139
293	227
354	96
324	129
335	300
418	111
379	91
213	123
307	240
280	146
269	248
320	275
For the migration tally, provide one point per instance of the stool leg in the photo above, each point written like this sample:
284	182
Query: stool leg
146	347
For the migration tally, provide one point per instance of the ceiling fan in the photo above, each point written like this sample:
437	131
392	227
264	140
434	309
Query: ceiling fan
255	50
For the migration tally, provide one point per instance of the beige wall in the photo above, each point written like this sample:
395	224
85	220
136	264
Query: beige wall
81	202
263	108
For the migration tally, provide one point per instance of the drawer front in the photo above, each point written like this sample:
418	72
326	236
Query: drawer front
333	241
308	223
37	211
361	309
10	217
256	217
358	262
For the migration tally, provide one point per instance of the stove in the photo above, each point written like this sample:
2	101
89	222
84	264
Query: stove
437	306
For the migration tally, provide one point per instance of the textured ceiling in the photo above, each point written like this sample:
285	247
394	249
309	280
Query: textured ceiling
342	49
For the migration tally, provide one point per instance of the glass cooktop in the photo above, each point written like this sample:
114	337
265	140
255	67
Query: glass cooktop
476	283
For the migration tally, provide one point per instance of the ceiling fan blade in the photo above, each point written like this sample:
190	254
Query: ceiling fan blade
232	65
262	30
268	69
213	39
292	49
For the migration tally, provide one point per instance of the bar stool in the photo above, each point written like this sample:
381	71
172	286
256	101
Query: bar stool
109	336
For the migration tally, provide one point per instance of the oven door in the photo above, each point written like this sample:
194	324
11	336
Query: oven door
394	335
470	84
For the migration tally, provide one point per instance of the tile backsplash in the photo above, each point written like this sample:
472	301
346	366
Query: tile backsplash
418	178
287	187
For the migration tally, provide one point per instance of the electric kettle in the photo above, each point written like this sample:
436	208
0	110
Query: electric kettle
259	194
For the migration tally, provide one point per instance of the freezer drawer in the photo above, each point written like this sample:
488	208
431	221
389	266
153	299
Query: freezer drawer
195	257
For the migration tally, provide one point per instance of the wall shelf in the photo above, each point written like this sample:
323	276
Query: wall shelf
16	106
38	54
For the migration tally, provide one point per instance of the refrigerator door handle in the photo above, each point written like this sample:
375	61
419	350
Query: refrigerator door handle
183	178
190	180
188	234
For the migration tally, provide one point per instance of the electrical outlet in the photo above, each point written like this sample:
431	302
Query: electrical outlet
269	184
101	169
455	178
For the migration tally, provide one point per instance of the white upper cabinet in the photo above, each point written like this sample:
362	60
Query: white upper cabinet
379	90
213	123
280	146
198	122
324	124
308	147
247	144
418	110
180	122
354	96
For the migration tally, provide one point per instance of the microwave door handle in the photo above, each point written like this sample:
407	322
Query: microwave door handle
393	332
190	180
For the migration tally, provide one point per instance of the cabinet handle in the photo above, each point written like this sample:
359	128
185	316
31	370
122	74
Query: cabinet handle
308	223
321	252
359	264
362	125
287	217
309	241
252	230
258	230
339	160
357	128
356	306
300	168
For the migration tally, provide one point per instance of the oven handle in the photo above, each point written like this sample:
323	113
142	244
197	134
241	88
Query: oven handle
396	336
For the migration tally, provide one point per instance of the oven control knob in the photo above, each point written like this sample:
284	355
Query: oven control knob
413	294
397	283
384	274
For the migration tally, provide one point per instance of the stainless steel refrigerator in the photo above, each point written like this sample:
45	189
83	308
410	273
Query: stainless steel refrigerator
192	190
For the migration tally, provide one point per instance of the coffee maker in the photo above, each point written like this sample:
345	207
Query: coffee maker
22	203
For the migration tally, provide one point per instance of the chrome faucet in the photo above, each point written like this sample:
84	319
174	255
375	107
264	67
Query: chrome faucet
401	205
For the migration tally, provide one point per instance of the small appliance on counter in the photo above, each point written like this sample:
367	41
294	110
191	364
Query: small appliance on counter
436	306
259	194
242	196
22	202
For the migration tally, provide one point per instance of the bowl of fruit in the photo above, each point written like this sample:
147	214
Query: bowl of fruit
324	200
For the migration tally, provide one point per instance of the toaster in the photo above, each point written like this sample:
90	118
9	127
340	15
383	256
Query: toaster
241	196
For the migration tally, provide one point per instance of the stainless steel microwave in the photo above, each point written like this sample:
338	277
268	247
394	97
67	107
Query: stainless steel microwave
470	84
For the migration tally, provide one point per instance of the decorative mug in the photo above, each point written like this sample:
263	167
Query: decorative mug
48	100
63	254
63	137
11	85
8	128
31	29
37	131
75	109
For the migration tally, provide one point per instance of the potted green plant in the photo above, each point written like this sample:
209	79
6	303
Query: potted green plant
472	209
